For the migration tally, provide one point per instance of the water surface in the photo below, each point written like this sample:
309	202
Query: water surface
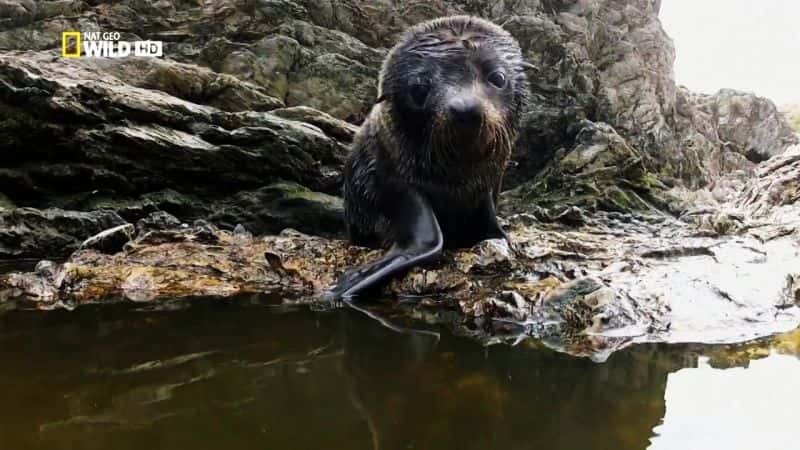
237	375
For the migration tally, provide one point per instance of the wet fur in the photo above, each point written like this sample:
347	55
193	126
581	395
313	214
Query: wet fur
425	151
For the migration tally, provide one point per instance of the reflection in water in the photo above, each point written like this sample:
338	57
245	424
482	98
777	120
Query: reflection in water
734	408
223	375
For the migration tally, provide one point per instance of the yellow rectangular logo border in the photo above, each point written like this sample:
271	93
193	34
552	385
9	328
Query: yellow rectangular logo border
64	37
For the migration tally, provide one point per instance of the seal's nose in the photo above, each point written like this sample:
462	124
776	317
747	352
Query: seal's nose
465	111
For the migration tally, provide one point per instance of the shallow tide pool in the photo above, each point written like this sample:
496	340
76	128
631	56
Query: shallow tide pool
238	375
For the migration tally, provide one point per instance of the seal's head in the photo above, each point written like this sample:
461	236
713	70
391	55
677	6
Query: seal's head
456	87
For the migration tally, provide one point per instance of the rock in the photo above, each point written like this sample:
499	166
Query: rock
601	75
792	290
186	208
282	205
188	82
792	114
48	271
157	141
337	84
492	255
17	12
638	211
587	289
332	126
111	240
776	185
28	232
601	172
269	209
5	203
161	153
606	62
744	123
157	220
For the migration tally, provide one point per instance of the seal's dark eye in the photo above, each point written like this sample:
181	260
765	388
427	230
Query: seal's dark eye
497	79
419	93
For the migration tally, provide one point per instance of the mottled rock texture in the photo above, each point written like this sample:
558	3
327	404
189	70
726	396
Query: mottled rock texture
792	113
29	233
586	284
253	93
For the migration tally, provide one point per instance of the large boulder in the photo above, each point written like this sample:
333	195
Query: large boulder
743	123
76	136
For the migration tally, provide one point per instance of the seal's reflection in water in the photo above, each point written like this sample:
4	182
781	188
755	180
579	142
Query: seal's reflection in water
415	392
238	377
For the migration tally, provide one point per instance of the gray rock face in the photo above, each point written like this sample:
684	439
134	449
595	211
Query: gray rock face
606	61
280	205
743	123
29	233
78	137
145	139
602	171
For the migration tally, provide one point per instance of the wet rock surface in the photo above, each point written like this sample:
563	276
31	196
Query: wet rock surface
639	211
28	232
586	284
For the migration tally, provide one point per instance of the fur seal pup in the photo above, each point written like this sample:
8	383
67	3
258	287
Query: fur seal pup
427	164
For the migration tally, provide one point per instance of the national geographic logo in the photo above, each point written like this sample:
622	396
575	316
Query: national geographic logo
97	44
71	44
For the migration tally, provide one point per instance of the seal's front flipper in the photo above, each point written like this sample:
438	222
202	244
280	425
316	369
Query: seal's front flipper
418	241
376	274
487	218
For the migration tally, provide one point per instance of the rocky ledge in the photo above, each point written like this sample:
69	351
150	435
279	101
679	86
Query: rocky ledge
639	211
586	284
